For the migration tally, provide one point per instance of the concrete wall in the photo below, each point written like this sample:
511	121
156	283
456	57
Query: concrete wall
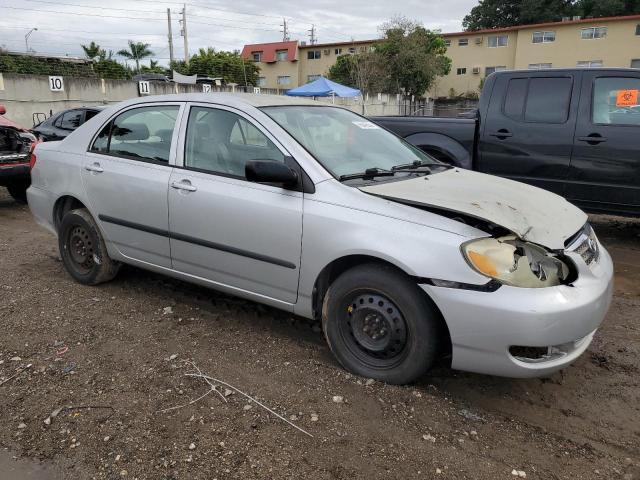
24	95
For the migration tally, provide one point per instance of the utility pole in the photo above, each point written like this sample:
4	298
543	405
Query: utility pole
285	30
170	36
184	33
312	35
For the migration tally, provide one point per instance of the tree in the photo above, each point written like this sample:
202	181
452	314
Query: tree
508	13
363	71
229	66
411	57
93	51
154	68
137	51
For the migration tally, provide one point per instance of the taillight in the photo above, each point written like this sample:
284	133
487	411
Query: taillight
32	155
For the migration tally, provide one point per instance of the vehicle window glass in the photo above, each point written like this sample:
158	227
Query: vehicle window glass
548	100
342	141
515	97
142	133
101	144
90	114
615	101
71	120
219	141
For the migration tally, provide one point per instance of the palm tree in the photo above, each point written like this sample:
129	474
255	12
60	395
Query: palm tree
92	51
137	51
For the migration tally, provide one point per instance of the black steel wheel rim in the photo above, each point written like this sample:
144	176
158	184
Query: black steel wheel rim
80	249
374	329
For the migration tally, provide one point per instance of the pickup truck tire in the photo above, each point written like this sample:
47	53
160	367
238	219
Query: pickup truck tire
83	250
19	192
379	324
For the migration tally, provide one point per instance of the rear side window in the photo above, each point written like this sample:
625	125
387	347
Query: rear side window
538	99
615	101
70	120
141	133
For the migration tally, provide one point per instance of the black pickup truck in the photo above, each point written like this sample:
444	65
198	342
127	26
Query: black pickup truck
575	132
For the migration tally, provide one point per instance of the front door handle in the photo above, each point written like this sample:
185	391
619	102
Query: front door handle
502	134
94	167
184	185
593	139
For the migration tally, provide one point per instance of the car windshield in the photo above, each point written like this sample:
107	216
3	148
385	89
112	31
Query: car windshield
343	142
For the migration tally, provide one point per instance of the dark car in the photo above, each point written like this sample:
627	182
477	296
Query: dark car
575	132
61	124
16	145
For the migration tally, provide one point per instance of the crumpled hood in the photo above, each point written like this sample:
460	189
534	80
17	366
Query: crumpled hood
535	215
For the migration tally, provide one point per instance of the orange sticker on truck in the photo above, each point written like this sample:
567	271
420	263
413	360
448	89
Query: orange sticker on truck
627	98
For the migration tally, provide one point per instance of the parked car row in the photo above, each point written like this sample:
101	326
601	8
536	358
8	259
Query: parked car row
316	210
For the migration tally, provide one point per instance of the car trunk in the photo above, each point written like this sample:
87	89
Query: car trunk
14	145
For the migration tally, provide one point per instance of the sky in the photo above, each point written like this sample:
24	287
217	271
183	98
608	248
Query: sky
223	24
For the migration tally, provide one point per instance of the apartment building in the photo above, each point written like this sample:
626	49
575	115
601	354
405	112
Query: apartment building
573	42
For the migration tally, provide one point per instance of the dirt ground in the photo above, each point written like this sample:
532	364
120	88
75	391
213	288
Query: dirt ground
118	349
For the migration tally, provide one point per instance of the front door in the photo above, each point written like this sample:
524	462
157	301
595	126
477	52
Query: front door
605	166
528	131
126	176
239	234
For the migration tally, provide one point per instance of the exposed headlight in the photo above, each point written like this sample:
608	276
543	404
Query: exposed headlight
514	262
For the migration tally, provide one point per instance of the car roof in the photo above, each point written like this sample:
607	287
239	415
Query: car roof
566	70
230	99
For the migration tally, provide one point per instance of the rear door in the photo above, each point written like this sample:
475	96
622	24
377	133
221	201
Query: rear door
527	134
605	166
126	177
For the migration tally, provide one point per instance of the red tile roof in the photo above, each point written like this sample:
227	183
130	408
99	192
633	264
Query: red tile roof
268	51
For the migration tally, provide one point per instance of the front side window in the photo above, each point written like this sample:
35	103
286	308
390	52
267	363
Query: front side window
281	55
498	41
342	141
593	33
70	120
544	37
222	142
615	101
143	133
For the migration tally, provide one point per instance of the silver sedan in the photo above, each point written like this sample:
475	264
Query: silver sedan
316	210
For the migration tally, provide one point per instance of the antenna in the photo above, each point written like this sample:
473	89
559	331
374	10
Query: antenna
312	35
285	30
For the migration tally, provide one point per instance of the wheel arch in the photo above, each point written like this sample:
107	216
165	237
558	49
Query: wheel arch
62	205
340	265
442	147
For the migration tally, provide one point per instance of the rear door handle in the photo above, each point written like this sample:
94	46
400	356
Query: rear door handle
502	134
184	185
593	139
94	167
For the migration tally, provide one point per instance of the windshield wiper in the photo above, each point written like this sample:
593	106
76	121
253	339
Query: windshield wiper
368	173
418	164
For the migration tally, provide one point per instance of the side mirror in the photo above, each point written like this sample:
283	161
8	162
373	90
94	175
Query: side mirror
270	171
3	110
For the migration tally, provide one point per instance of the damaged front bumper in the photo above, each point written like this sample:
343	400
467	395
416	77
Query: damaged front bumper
526	332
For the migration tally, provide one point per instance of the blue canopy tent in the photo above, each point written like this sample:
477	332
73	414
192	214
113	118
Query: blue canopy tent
323	87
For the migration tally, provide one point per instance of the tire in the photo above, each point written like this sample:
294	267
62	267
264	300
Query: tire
379	325
83	250
19	193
